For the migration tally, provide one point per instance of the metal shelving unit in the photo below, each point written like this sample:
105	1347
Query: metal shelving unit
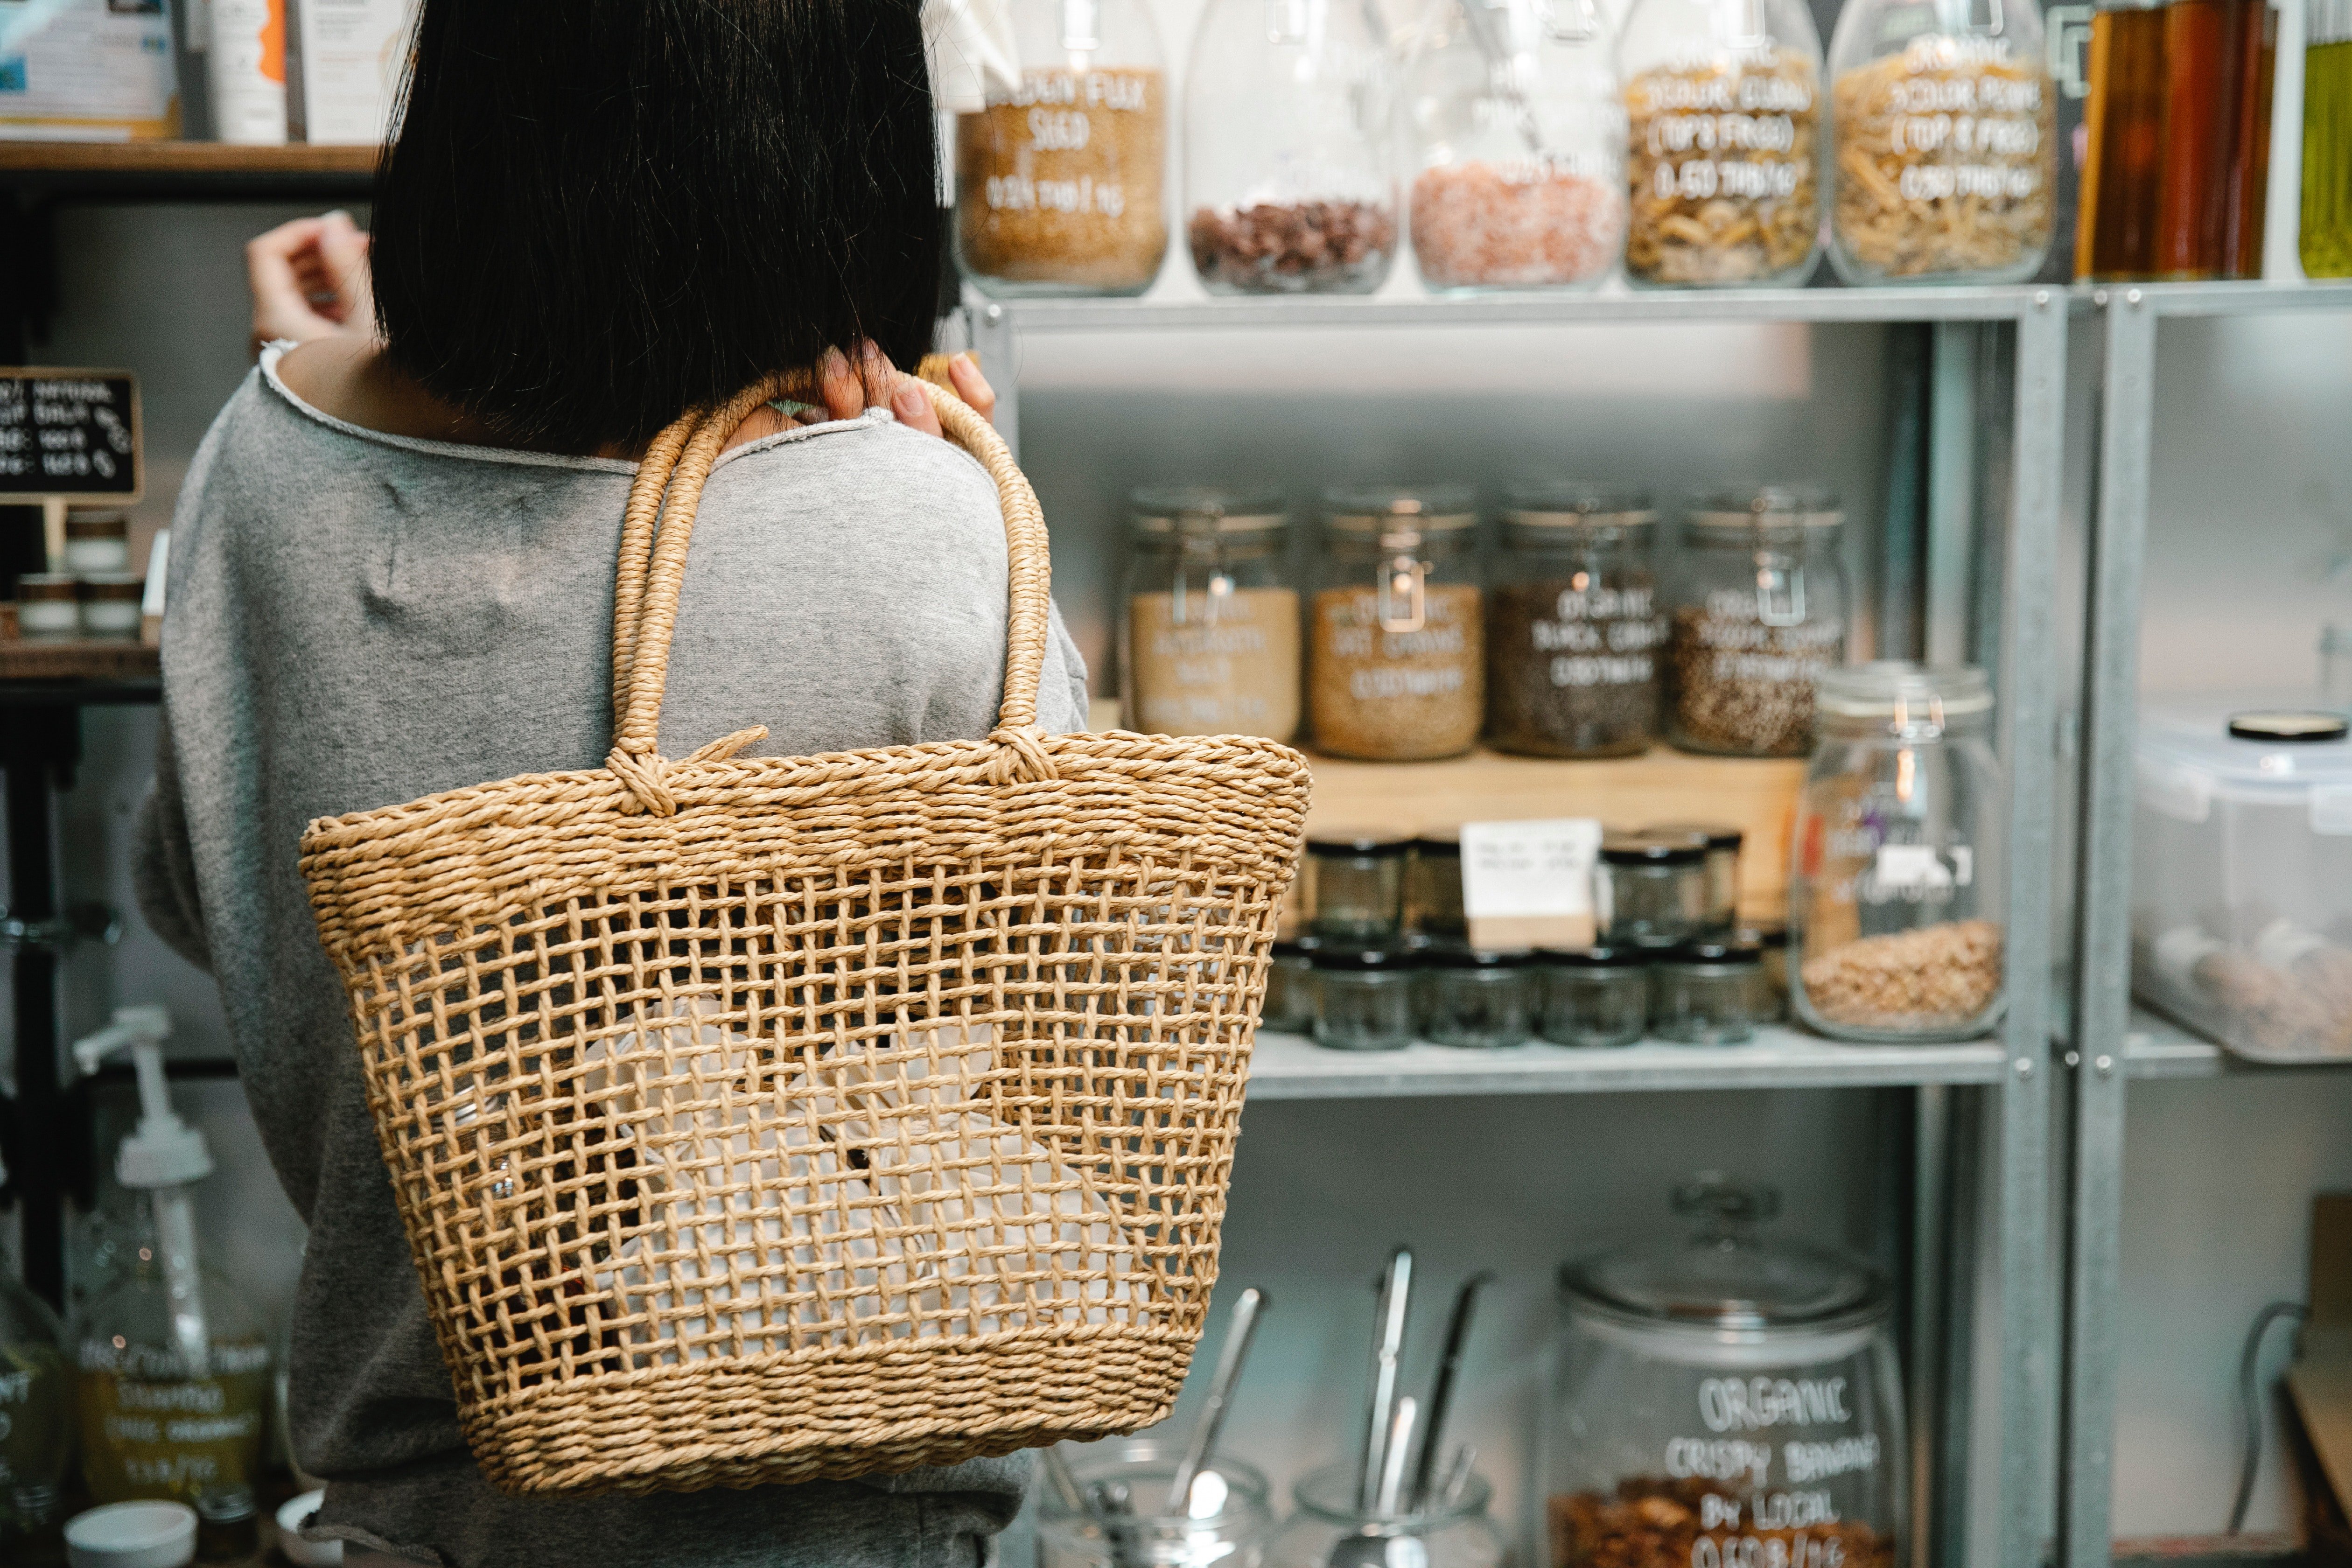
2112	1043
1999	1086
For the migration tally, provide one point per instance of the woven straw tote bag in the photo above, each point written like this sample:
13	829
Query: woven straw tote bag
761	1120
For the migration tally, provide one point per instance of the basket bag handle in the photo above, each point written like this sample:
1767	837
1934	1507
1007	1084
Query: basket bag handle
659	524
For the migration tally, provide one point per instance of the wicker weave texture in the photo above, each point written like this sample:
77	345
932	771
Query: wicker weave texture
762	1120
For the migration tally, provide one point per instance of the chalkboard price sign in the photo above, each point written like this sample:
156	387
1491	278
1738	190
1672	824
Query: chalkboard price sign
69	433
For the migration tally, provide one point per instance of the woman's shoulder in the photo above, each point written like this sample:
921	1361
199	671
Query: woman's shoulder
869	486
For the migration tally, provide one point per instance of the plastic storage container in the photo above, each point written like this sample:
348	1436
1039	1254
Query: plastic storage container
1707	994
1595	996
1724	1400
1520	135
1357	887
1726	139
1900	877
1289	163
1396	656
2241	876
1227	1524
1209	625
1441	1535
1759	598
1060	178
1574	622
1365	999
1945	124
1476	998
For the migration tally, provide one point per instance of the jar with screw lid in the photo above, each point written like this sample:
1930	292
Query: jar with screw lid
1896	889
1289	148
1652	888
1595	995
1432	891
98	541
1357	887
1477	998
1574	624
1723	842
1449	1530
1770	938
1760	611
48	604
1707	992
1290	987
1059	176
1364	999
1396	656
1210	620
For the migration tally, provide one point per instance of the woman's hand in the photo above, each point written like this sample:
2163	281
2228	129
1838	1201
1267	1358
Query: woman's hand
843	389
915	411
309	280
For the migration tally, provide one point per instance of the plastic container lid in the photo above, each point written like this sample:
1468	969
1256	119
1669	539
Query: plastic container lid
1369	509
1160	510
1898	693
2189	759
1547	504
1364	844
1724	1276
1767	505
1652	848
132	1535
291	1517
2294	726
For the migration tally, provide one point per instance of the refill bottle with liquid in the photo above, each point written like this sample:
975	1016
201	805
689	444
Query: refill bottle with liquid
174	1363
35	1417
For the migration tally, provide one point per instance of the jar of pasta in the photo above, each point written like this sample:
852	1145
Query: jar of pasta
1946	142
1724	124
1210	620
1289	172
1396	640
1059	178
1520	135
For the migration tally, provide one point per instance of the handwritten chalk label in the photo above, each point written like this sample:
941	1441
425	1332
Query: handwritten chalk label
71	433
1530	884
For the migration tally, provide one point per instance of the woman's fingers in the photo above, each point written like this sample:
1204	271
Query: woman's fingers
972	386
844	390
342	253
913	408
275	264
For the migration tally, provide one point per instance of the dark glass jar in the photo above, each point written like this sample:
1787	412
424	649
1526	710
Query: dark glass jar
1707	994
1290	987
1596	996
1574	623
1357	887
1477	998
1433	888
1723	842
1364	999
1652	889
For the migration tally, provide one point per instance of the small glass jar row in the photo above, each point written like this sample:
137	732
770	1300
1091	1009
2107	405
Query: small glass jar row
1545	146
1403	648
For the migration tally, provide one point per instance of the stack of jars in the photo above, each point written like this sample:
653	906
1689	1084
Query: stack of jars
1540	146
1401	649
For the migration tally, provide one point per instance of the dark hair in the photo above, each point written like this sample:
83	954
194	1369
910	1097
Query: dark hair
597	213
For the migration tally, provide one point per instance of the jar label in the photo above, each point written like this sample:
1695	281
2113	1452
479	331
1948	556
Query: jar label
1722	166
1530	884
1215	664
1058	181
1376	693
162	1436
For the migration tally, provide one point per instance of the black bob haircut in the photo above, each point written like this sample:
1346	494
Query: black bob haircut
597	213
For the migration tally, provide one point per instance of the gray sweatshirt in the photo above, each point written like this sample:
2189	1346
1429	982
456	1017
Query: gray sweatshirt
356	620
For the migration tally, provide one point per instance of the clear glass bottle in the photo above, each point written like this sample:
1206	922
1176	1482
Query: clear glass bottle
1946	121
1290	987
1596	997
1652	889
1060	180
1457	1534
1432	891
1209	624
1759	598
1521	133
1364	999
1707	994
1897	885
1724	1400
1723	842
1726	141
36	1419
1289	163
2325	242
1396	653
1358	888
1229	1521
1574	622
1477	998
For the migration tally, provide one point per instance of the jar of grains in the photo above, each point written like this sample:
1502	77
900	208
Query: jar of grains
1574	621
1396	645
1521	133
1947	132
1758	600
1209	633
1059	178
1899	868
1289	168
1724	141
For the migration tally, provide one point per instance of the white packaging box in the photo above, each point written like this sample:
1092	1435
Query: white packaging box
348	58
86	70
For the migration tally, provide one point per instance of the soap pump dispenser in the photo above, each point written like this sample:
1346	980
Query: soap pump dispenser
174	1365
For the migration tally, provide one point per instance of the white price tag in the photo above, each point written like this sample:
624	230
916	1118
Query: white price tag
1530	884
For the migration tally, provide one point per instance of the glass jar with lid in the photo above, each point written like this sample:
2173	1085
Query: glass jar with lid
1447	1532
1433	888
1521	134
1059	177
1724	1399
1652	888
1290	987
1227	1523
1596	997
1364	999
1356	887
1899	876
1477	998
1290	163
1708	993
1396	652
1760	611
1723	842
1574	622
1946	121
1726	136
1209	624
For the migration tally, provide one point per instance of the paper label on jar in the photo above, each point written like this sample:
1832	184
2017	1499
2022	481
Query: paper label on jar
1530	884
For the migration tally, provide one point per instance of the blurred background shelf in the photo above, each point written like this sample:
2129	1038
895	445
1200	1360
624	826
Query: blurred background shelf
2156	1047
186	171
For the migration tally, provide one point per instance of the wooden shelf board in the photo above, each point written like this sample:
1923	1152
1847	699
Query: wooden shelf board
191	170
25	658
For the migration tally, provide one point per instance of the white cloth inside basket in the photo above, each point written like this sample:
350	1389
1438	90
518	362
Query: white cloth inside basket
871	1197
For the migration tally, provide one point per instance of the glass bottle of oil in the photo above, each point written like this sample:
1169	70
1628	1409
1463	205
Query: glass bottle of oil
36	1418
2326	243
2116	234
